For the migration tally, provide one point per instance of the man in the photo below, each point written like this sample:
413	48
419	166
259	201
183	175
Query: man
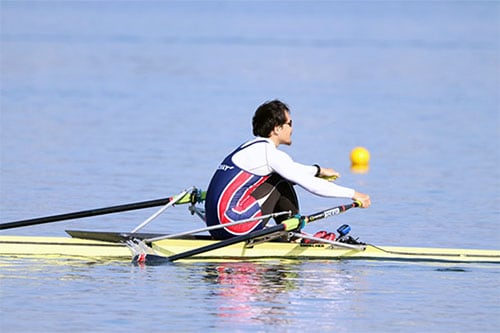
257	179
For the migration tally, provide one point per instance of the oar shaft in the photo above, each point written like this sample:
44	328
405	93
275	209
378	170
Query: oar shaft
85	213
331	212
98	211
218	226
227	242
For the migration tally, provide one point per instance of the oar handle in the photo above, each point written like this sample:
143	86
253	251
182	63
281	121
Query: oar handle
329	178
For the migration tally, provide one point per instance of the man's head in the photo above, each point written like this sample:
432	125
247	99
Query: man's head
272	120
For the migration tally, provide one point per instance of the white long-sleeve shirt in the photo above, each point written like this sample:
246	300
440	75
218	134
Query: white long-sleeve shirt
263	158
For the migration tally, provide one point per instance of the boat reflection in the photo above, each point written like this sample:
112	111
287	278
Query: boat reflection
259	293
247	291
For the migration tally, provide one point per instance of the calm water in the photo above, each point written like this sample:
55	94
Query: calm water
118	102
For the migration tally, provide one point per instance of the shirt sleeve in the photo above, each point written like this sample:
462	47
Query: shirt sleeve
303	175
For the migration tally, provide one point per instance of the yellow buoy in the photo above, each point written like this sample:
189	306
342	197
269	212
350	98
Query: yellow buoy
360	156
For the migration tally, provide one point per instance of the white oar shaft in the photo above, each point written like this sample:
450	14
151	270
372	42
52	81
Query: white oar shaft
161	210
327	241
219	226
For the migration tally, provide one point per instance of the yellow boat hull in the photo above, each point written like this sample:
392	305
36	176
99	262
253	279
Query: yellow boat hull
280	250
23	246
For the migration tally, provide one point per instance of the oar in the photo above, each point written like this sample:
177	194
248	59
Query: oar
214	227
152	259
187	198
148	238
294	223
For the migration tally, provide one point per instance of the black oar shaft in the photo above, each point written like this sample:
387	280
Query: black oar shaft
86	213
227	242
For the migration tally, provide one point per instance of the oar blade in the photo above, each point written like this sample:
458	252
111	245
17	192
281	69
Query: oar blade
148	259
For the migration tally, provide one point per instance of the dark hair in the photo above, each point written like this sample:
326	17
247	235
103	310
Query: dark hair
268	116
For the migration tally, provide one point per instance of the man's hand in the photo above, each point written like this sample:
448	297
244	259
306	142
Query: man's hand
363	198
328	173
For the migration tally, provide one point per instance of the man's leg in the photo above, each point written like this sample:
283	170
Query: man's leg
278	195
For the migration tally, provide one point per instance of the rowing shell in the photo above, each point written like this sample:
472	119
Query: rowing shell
23	246
63	247
284	250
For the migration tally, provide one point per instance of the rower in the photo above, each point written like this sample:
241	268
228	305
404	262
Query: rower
257	179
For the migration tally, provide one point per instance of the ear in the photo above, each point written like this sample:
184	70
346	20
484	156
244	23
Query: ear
276	130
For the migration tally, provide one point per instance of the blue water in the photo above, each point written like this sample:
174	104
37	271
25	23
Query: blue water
105	103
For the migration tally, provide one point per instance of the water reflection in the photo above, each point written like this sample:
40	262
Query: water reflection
248	291
273	293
